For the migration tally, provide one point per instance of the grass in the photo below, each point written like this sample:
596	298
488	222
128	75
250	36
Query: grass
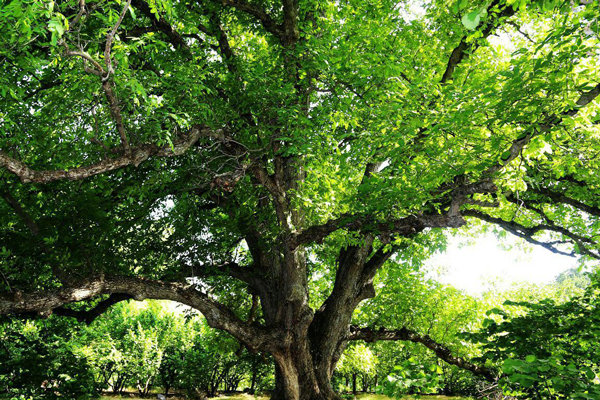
422	397
250	397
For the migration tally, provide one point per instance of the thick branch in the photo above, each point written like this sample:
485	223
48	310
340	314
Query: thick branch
413	224
88	316
217	315
246	274
135	156
405	334
403	227
562	198
161	25
546	125
224	46
290	20
115	112
376	261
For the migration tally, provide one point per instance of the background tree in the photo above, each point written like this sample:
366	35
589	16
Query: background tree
549	351
186	150
39	361
357	362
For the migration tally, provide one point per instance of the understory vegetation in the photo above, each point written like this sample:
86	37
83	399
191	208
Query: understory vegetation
540	336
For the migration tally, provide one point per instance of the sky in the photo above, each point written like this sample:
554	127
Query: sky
478	266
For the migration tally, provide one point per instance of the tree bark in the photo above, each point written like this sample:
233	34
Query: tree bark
297	377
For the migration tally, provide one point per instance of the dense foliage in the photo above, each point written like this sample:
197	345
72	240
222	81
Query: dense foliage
40	361
551	350
140	347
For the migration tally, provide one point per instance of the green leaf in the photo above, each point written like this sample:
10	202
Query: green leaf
132	12
471	20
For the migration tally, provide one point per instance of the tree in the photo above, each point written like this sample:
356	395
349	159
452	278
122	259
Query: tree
185	150
550	351
357	360
36	363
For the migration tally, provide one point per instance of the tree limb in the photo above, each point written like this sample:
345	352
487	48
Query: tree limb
246	274
224	46
135	156
405	334
88	316
160	24
528	233
217	315
546	125
403	226
416	223
290	20
562	198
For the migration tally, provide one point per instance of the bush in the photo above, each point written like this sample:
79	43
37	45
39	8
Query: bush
549	352
37	363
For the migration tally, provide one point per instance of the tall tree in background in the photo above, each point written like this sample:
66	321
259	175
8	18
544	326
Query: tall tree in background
222	154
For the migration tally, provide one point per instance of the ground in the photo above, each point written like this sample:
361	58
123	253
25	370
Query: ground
249	397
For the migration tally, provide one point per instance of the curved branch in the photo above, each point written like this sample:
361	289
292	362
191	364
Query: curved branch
135	156
247	274
224	45
527	233
88	316
562	198
161	25
376	261
405	334
545	126
217	315
416	223
406	226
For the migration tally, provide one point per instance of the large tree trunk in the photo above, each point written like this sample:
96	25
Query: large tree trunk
297	375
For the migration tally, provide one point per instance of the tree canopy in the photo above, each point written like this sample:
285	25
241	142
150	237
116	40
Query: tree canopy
261	161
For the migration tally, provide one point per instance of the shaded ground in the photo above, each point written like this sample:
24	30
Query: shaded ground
249	397
424	397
